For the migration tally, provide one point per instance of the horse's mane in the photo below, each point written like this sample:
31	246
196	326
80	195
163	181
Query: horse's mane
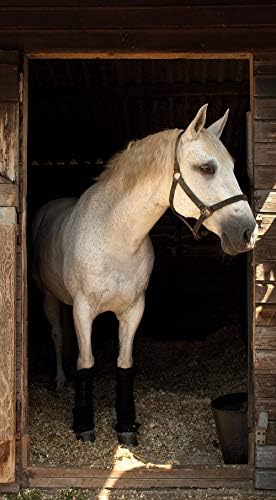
140	160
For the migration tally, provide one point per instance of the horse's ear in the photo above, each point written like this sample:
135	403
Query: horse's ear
217	127
197	124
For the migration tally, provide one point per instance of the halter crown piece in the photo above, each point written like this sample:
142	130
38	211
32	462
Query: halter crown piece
205	210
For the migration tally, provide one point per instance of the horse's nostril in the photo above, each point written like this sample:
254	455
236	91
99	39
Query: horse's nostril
247	235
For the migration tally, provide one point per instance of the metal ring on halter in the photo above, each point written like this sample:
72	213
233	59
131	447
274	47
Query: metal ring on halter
205	210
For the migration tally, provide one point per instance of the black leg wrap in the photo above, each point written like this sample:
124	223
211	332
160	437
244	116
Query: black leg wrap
83	410
125	406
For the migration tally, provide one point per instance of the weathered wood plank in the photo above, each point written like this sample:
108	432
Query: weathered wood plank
271	433
267	225
268	405
265	456
9	82
142	40
265	250
265	479
265	337
138	17
9	140
265	153
265	131
265	109
265	64
139	477
265	293
265	360
265	201
265	315
265	86
7	348
266	270
7	461
8	195
265	177
265	386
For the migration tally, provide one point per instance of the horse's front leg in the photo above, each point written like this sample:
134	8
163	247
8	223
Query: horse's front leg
126	426
83	409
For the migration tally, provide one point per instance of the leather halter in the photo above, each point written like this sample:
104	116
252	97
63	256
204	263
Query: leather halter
205	210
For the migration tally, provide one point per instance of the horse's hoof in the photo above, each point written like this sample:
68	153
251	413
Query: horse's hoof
86	436
127	438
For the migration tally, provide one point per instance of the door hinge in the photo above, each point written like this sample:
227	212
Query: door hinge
261	429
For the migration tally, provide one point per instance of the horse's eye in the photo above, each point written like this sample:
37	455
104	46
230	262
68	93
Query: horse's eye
207	169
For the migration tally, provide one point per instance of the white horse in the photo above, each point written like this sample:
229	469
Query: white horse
95	253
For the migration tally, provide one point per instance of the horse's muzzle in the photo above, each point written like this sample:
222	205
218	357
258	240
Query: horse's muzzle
239	239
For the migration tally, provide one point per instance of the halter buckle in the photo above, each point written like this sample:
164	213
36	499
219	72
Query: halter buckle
206	211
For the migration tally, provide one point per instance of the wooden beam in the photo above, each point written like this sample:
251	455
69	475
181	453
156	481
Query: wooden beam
140	477
265	131
7	344
265	456
9	117
264	153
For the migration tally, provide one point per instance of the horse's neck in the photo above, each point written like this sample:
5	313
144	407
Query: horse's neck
133	214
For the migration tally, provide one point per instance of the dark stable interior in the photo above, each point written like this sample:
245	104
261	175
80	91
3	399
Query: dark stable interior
83	111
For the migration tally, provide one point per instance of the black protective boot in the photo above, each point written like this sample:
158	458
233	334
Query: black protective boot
126	426
83	410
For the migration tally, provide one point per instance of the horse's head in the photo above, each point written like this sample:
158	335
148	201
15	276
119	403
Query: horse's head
208	170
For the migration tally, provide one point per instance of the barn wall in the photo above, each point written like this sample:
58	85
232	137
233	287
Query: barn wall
265	256
141	25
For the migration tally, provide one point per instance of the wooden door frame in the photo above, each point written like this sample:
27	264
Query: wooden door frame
159	477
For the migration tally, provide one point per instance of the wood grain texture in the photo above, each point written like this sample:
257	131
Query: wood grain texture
265	109
265	386
268	405
7	349
265	315
266	269
265	86
265	293
9	140
8	195
7	461
266	225
265	131
265	64
112	16
265	360
265	250
265	153
265	456
265	177
9	82
169	39
265	201
265	337
265	479
140	477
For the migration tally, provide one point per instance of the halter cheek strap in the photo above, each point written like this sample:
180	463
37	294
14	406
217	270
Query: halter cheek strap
205	210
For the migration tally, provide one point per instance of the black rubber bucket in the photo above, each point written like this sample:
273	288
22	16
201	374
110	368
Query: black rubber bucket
230	413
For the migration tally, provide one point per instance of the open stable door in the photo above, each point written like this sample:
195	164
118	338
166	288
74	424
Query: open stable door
9	151
264	338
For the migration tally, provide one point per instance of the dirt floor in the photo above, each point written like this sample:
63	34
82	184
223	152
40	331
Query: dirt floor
175	383
171	494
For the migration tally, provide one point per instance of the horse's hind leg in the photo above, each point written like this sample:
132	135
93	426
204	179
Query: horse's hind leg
83	409
126	426
51	306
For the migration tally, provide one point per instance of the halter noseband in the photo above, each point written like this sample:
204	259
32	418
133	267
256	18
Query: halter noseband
205	210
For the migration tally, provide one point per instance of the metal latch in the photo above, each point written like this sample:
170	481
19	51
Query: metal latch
260	435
